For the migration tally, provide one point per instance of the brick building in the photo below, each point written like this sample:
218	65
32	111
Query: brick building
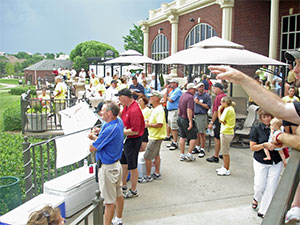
44	69
267	27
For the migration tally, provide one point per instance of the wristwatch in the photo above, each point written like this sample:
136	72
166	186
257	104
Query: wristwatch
211	122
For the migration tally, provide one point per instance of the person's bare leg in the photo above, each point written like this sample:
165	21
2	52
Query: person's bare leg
143	146
217	147
109	213
157	164
182	145
148	167
134	178
198	140
226	159
192	145
296	202
202	140
125	174
175	135
119	206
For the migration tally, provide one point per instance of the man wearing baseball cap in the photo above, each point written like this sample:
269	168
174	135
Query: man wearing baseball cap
134	126
172	107
218	91
202	105
157	132
186	124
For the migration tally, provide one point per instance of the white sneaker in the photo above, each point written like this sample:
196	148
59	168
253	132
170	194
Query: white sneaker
182	157
190	157
219	169
201	153
223	172
293	215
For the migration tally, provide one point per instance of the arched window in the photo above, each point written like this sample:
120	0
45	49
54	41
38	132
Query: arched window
160	50
199	33
160	47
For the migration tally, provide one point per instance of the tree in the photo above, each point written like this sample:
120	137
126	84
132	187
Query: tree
10	69
135	39
49	55
22	55
3	62
88	49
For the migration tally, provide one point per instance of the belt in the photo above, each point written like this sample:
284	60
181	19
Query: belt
172	109
200	113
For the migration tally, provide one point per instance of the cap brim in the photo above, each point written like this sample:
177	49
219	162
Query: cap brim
292	55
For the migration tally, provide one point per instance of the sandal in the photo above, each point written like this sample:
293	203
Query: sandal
254	204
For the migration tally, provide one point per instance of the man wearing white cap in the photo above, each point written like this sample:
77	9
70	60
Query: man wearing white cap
186	124
157	128
172	107
202	105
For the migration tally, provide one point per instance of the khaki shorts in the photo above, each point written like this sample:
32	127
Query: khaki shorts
110	182
225	143
201	123
153	149
172	119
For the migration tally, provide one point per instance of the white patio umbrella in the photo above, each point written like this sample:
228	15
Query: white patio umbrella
217	51
131	56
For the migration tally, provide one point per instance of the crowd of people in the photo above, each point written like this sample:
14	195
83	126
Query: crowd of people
138	115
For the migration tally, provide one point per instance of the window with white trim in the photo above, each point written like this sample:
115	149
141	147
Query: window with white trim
199	33
290	34
160	50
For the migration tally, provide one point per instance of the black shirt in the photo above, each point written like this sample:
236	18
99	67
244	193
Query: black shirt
260	133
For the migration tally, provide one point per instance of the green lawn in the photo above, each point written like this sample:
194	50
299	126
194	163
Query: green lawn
9	81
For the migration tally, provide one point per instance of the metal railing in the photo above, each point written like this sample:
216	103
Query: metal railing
38	115
40	165
285	192
96	209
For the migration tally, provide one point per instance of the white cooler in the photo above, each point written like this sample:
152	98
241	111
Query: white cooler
20	215
76	187
142	166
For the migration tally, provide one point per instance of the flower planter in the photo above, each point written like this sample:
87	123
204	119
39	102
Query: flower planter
37	122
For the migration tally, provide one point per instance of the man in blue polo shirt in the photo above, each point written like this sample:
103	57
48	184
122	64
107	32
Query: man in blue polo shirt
108	147
172	107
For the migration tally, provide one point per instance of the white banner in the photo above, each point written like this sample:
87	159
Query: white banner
74	147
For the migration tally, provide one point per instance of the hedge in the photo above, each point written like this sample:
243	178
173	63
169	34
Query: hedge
20	90
11	160
12	118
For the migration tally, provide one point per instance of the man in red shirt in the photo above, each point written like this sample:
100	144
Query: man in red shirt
218	91
134	126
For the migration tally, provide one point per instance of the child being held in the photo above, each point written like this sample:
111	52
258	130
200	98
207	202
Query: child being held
275	126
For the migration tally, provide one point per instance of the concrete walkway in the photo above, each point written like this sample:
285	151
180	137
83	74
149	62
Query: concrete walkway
192	193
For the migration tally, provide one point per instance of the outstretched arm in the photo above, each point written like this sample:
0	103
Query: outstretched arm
270	102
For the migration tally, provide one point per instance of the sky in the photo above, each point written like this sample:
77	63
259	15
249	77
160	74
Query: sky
40	26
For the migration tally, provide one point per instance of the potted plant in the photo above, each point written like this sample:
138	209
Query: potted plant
37	116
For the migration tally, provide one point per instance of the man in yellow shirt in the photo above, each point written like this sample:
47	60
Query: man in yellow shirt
59	96
289	127
157	129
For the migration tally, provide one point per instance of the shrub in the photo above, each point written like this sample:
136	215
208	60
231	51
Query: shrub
12	118
20	90
11	159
